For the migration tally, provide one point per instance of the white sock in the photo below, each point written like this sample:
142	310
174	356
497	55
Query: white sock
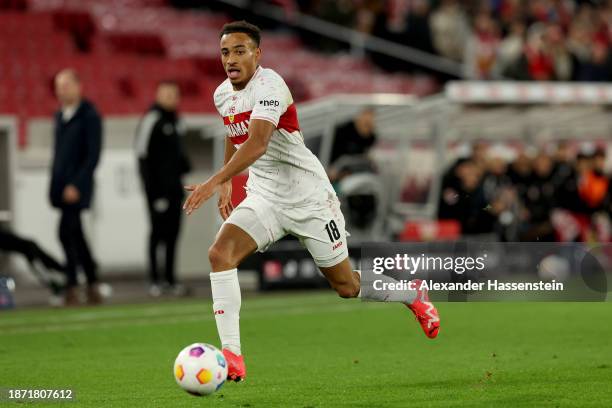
226	305
405	296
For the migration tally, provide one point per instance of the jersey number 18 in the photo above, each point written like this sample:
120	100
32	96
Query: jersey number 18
332	231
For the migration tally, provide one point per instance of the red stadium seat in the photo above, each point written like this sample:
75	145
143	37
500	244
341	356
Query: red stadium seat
123	48
440	230
139	43
20	5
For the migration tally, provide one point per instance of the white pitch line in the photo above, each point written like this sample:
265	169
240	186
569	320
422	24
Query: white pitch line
177	319
155	311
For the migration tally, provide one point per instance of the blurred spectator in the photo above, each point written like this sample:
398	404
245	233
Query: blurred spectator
500	194
450	29
568	195
480	154
565	63
463	200
585	195
539	201
541	198
353	139
417	32
579	40
452	186
593	186
566	40
510	12
481	48
77	145
563	166
367	14
496	176
599	161
520	172
476	152
162	163
536	62
511	47
599	66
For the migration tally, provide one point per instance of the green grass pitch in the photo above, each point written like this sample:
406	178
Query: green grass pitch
316	350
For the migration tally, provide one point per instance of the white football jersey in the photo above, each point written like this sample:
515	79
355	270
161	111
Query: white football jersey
288	173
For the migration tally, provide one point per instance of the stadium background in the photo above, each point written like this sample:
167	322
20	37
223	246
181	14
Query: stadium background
510	79
419	64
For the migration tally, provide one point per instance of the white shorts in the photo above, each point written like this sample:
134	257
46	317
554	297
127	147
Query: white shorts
319	227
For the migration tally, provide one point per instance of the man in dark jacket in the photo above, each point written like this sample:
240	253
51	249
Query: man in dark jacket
352	142
162	162
78	139
355	137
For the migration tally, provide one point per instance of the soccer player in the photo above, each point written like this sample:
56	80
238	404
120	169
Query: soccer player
288	191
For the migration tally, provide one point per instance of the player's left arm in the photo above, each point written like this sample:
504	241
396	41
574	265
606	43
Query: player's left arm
260	132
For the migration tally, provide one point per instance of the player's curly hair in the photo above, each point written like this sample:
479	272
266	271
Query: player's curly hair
242	27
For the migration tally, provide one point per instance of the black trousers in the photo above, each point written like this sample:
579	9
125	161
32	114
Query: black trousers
75	247
12	243
165	218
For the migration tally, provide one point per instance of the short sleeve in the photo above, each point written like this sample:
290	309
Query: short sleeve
217	100
271	99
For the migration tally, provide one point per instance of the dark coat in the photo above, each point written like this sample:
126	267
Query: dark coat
347	141
161	157
76	154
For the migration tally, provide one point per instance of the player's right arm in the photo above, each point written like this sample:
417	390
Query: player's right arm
225	192
252	149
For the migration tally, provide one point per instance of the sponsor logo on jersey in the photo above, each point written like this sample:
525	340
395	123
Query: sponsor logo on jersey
237	129
269	103
237	126
336	246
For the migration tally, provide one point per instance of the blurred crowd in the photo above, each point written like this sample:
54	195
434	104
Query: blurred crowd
563	40
563	195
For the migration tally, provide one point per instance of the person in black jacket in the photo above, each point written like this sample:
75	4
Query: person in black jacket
355	137
162	162
352	142
462	199
78	140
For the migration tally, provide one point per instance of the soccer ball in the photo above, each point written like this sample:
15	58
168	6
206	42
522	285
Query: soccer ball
200	369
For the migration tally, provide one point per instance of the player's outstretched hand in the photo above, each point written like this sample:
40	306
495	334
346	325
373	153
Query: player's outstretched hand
199	194
225	200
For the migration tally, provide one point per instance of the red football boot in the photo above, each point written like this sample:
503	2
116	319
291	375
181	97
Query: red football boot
424	311
236	370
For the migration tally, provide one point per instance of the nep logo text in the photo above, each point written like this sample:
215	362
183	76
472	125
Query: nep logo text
269	103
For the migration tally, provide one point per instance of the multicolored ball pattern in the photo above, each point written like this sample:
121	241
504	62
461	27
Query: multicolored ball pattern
200	369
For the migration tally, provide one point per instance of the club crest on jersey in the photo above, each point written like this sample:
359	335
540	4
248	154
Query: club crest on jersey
237	125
